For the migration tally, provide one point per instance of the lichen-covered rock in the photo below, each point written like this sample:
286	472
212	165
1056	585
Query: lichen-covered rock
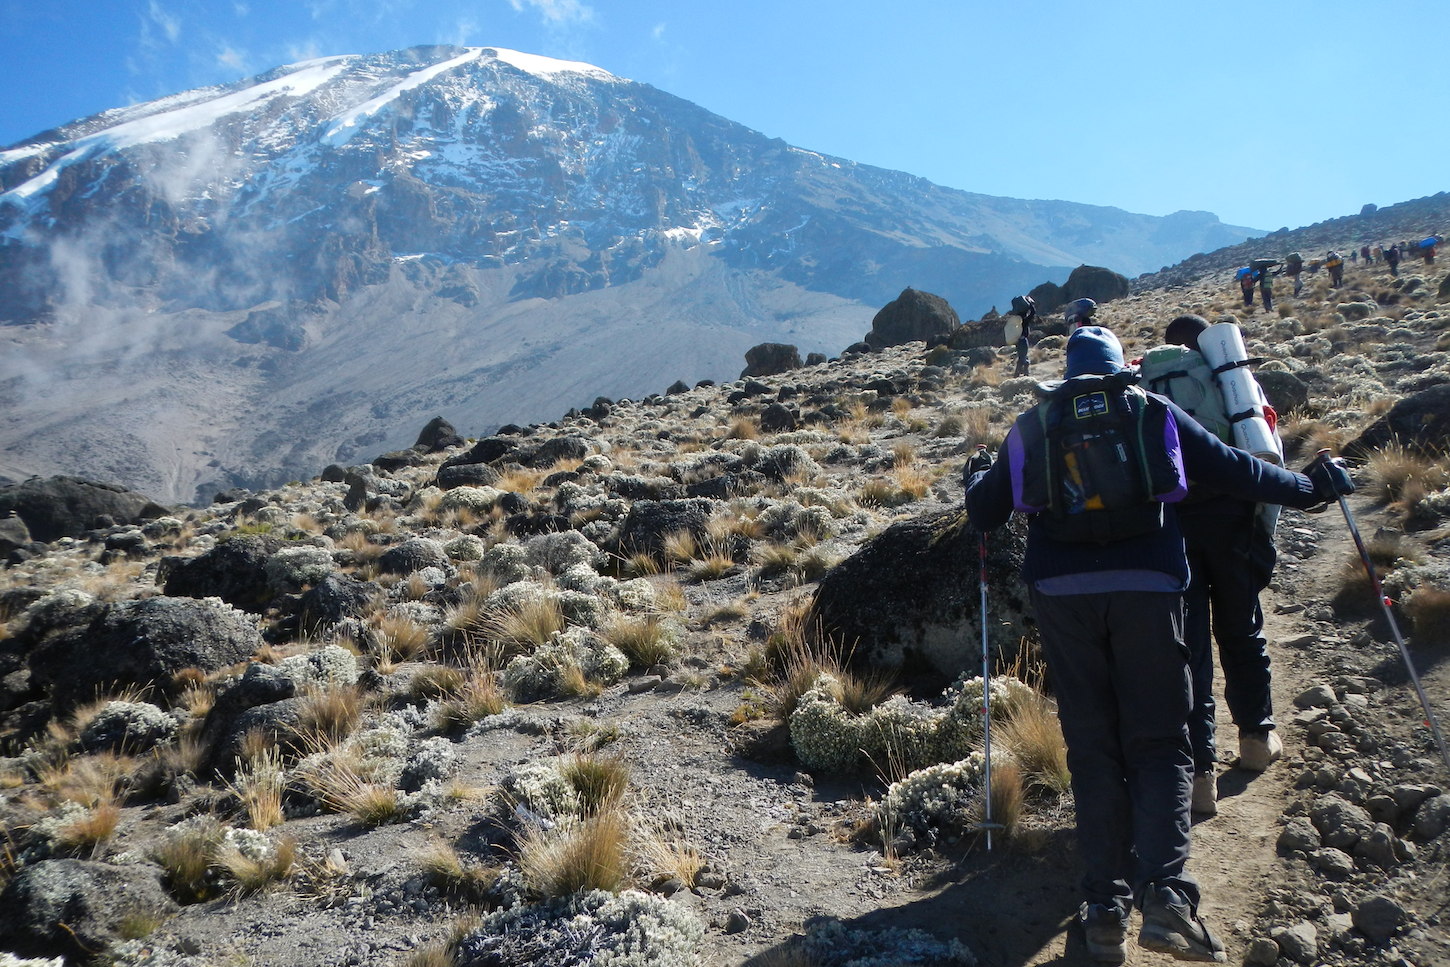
412	555
141	643
557	553
127	726
293	568
76	908
908	597
235	570
542	673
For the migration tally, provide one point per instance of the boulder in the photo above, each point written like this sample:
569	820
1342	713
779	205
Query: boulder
648	521
770	359
13	534
911	316
557	450
466	475
412	555
1420	422
1096	283
1444	291
76	908
142	644
778	418
55	507
1285	391
906	600
334	598
235	571
490	449
437	435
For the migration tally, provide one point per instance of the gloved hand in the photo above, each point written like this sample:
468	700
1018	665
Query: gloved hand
1330	476
981	460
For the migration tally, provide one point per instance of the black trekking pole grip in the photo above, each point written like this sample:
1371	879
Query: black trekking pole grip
1385	603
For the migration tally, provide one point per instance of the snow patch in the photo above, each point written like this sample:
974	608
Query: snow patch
345	125
544	66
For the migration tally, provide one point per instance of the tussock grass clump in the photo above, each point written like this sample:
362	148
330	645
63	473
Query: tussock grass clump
400	638
525	625
186	855
645	640
260	784
1396	471
1429	612
450	875
87	832
743	428
1033	735
252	866
332	713
1009	795
578	855
336	782
477	698
599	781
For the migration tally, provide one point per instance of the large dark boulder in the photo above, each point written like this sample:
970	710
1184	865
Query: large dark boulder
491	449
1095	283
770	359
557	450
911	316
411	555
334	598
55	507
1285	391
1420	422
466	475
649	521
13	534
234	570
77	908
142	644
437	435
909	599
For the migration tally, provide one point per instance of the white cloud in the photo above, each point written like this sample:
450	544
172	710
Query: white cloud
464	31
658	33
168	23
556	11
231	58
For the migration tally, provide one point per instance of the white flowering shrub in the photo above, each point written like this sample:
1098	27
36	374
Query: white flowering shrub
637	594
541	789
938	797
581	609
560	551
330	666
250	844
465	547
1437	503
631	929
293	567
898	733
474	500
430	763
542	673
596	463
1403	580
518	595
584	579
506	563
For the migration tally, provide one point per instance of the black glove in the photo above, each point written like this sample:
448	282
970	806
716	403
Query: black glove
981	460
1330	476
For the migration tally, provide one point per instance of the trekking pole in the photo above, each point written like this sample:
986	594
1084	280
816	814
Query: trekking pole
986	825
1385	603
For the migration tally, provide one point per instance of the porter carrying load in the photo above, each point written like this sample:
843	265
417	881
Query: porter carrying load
1223	346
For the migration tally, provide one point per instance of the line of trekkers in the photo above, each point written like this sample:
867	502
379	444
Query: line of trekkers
1259	272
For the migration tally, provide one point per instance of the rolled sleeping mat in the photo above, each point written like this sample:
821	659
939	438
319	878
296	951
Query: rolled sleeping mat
1011	329
1223	346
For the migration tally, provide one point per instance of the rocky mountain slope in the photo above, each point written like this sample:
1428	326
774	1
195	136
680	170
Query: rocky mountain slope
389	716
241	284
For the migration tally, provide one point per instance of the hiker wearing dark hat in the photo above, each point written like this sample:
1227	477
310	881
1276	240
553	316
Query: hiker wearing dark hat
1079	312
1106	573
1230	559
1025	309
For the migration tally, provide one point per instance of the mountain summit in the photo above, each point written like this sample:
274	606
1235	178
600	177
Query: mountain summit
304	266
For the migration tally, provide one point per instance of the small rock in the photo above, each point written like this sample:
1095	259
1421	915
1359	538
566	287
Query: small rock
1378	847
1333	863
1431	818
1299	834
1379	918
1263	952
1300	943
1320	696
737	922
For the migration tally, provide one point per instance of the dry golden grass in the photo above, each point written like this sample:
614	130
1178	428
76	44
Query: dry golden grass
89	780
1033	736
247	874
478	697
525	626
795	659
1429	612
901	406
85	835
332	713
187	857
903	454
450	875
260	784
600	781
1304	437
1008	795
743	428
590	854
336	783
679	547
1396	473
574	682
658	853
436	682
642	639
400	637
519	480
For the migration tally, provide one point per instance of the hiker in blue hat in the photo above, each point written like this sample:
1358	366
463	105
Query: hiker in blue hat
1095	468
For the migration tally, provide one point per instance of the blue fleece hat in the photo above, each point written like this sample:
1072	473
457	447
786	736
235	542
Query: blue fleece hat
1093	351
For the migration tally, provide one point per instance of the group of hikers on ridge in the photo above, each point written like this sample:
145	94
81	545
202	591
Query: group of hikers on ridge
1259	271
1149	535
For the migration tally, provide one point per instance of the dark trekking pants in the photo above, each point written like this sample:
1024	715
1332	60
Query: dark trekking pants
1222	605
1119	669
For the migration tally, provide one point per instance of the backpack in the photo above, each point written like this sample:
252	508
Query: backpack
1096	460
1184	376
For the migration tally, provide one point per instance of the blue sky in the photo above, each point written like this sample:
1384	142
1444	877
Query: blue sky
1266	113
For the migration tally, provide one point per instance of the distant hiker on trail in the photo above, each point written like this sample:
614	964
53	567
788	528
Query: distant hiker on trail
1366	254
1106	571
1079	312
1264	276
1427	248
1294	269
1392	259
1230	559
1334	262
1024	308
1245	275
1353	256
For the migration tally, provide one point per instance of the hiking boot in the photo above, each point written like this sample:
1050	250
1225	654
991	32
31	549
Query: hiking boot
1105	928
1172	926
1259	749
1204	801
